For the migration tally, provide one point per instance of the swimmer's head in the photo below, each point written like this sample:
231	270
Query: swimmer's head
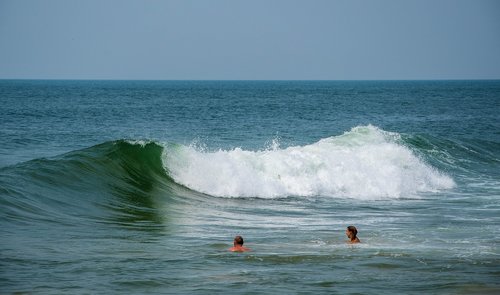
238	240
352	230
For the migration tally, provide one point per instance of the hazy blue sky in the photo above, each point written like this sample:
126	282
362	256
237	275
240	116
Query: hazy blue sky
269	39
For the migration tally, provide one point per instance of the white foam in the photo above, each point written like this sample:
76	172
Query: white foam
142	143
364	163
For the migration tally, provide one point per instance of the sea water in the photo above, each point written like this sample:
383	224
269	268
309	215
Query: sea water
139	187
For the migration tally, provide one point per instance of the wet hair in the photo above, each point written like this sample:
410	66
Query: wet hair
238	240
352	229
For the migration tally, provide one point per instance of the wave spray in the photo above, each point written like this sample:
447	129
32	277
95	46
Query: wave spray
364	163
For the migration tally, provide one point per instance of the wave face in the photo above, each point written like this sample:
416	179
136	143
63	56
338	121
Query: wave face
120	176
364	163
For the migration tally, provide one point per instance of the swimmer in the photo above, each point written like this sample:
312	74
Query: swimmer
238	245
351	233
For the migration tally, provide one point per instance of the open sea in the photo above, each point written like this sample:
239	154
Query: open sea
139	187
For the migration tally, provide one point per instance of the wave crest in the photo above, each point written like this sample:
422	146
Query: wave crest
365	162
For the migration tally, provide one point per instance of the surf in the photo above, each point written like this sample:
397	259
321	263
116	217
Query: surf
134	177
363	163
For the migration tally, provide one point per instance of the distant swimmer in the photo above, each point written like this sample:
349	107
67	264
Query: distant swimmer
238	245
351	233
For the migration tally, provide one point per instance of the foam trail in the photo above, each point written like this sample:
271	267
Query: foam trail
364	163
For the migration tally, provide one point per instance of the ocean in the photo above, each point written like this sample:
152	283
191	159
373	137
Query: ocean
139	187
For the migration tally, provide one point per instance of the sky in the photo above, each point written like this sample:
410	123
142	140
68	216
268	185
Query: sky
250	40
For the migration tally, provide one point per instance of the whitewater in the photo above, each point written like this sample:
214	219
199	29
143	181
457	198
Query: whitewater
364	163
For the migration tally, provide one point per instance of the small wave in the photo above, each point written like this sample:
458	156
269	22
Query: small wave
365	163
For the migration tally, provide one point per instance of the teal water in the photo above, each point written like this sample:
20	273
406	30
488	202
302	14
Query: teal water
140	186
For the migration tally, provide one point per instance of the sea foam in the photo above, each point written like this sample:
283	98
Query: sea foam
364	163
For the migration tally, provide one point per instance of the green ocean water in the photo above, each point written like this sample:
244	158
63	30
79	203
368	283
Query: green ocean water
110	187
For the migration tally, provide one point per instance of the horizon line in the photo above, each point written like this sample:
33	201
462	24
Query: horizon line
246	80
